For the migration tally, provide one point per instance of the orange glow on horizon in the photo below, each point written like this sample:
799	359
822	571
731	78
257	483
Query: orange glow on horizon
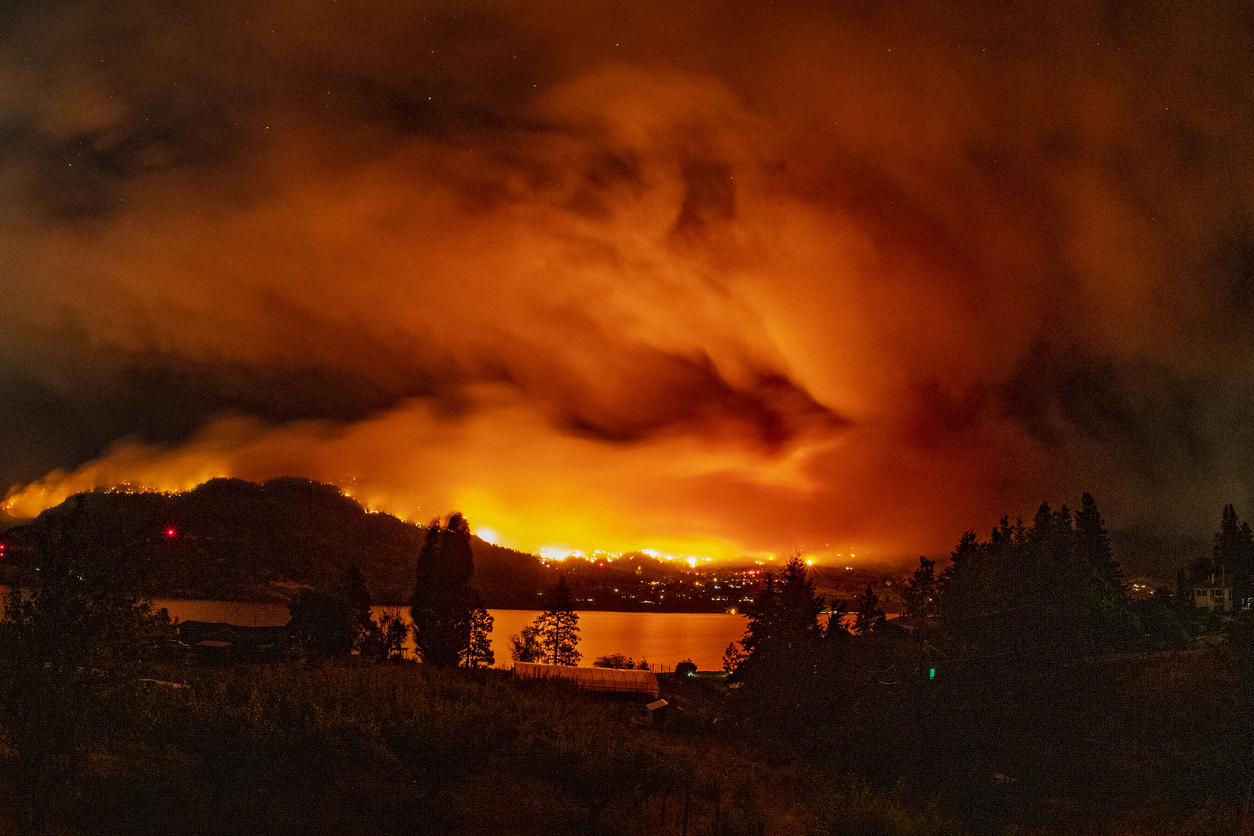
545	530
760	279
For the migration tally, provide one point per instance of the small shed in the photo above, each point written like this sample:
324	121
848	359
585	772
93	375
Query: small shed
609	680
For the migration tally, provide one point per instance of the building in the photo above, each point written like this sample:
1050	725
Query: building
1213	594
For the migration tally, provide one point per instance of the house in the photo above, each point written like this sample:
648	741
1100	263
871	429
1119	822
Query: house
1214	593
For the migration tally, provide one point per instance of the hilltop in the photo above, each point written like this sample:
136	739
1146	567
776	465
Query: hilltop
229	539
234	540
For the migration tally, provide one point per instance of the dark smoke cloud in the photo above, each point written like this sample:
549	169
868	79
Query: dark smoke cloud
720	278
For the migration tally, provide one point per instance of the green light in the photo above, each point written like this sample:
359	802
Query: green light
931	673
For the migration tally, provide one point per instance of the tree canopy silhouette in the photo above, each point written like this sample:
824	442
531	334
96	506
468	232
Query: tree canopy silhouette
335	621
781	655
443	602
70	645
1043	595
556	630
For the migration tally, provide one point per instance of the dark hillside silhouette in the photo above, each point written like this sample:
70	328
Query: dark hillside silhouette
235	540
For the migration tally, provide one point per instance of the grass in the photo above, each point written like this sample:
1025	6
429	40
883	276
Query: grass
1140	746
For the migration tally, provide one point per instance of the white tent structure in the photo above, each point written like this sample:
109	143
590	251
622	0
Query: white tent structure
592	679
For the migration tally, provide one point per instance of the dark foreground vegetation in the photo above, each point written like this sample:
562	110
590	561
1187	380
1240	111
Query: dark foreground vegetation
1024	695
407	748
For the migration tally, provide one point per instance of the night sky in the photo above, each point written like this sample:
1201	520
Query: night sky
714	278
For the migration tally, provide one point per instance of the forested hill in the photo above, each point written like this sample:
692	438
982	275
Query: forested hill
234	540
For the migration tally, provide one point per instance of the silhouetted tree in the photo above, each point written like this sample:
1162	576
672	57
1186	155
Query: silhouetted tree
478	652
557	628
867	615
1094	544
1035	598
783	646
336	621
442	601
922	594
525	647
784	616
963	582
321	624
623	662
355	596
618	661
1113	620
1233	554
386	637
733	656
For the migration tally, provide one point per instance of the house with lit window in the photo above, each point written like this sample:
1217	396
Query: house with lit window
1215	593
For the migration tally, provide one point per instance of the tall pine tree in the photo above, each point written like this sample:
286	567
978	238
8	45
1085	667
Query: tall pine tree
557	628
782	645
478	652
1233	554
441	606
867	615
922	594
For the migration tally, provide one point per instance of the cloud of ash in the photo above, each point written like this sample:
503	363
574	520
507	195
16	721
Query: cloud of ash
718	280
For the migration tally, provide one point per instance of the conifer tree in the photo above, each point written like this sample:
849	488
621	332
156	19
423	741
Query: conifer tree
783	644
1094	544
441	606
355	596
922	593
1039	596
1233	555
478	652
557	628
784	617
867	615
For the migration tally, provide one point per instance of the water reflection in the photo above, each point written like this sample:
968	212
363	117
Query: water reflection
662	638
665	639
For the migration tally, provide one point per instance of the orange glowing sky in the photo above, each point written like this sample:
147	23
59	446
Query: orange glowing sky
724	279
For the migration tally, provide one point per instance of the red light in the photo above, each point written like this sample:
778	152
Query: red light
171	532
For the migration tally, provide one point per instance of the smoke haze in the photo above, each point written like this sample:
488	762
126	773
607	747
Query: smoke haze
725	279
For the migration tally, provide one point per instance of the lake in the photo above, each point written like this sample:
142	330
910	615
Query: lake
665	639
